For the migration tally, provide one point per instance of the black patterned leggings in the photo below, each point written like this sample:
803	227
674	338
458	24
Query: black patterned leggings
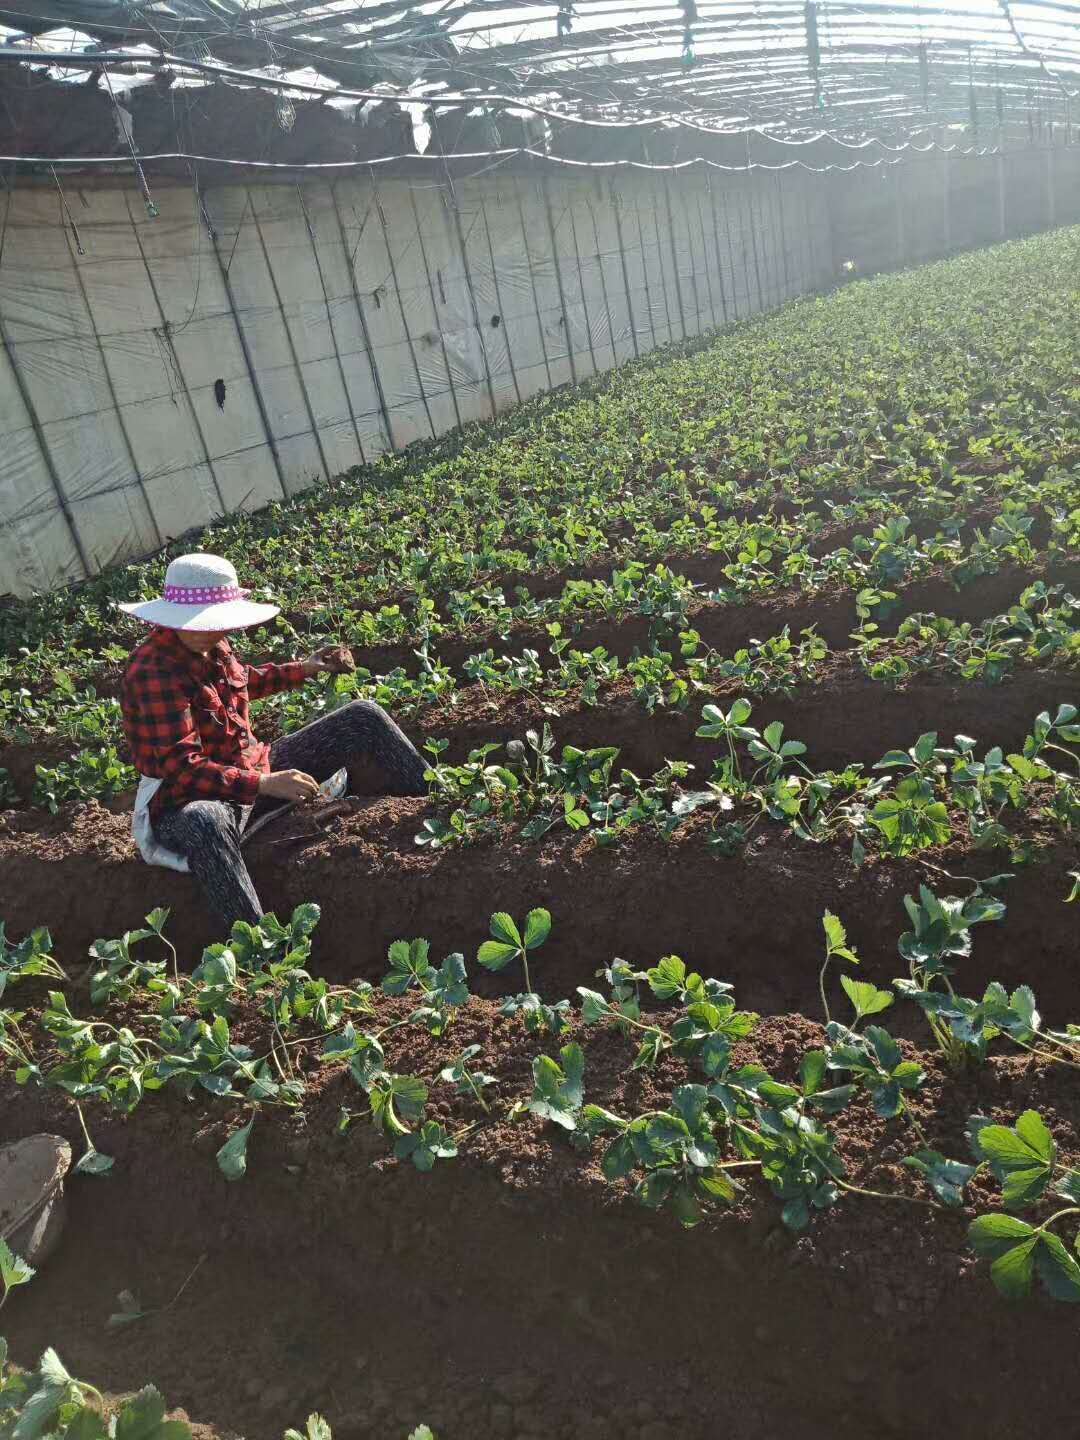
208	832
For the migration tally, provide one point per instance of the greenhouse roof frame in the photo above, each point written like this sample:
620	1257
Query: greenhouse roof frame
848	69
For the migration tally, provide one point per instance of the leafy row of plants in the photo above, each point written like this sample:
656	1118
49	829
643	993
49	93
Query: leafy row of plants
914	799
1041	628
729	1124
932	395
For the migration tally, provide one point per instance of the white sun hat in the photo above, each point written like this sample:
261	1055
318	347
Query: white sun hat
201	593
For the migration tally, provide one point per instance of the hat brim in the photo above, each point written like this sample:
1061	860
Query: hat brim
228	615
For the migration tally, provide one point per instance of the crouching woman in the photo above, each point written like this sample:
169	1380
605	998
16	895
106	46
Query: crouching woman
186	708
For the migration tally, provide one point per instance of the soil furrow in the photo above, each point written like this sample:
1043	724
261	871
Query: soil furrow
754	920
843	717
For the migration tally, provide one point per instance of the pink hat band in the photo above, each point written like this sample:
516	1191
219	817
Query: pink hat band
204	594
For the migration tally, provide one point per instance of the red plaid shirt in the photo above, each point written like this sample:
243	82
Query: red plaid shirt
186	717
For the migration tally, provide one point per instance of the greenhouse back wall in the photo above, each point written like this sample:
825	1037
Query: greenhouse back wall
237	348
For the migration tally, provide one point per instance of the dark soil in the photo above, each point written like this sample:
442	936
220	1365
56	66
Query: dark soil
514	1293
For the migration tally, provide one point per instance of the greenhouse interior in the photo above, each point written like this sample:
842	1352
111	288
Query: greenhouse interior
539	719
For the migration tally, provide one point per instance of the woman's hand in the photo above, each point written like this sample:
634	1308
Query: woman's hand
292	785
330	660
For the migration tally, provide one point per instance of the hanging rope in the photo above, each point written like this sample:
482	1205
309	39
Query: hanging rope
68	217
690	16
125	129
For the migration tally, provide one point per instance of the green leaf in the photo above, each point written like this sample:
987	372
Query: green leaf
812	1071
668	978
13	1268
408	962
141	1416
835	934
885	1048
945	1177
52	1369
619	1158
686	1205
558	1090
1013	1271
1021	1158
1000	1144
1031	1128
89	1425
594	1007
389	1095
780	1096
315	1429
496	955
866	997
796	1214
1058	1271
304	920
94	1163
719	1186
504	930
649	1051
1021	1188
1068	1186
993	1235
537	928
232	1157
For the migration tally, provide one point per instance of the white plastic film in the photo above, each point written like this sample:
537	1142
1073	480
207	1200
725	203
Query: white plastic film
157	372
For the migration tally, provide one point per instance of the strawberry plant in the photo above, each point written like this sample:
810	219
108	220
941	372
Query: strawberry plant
89	775
671	1153
508	944
465	1079
51	1401
425	1145
940	935
875	1062
558	1092
1023	1159
31	957
444	989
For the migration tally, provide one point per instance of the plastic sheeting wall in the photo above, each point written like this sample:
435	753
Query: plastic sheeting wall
913	212
157	374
